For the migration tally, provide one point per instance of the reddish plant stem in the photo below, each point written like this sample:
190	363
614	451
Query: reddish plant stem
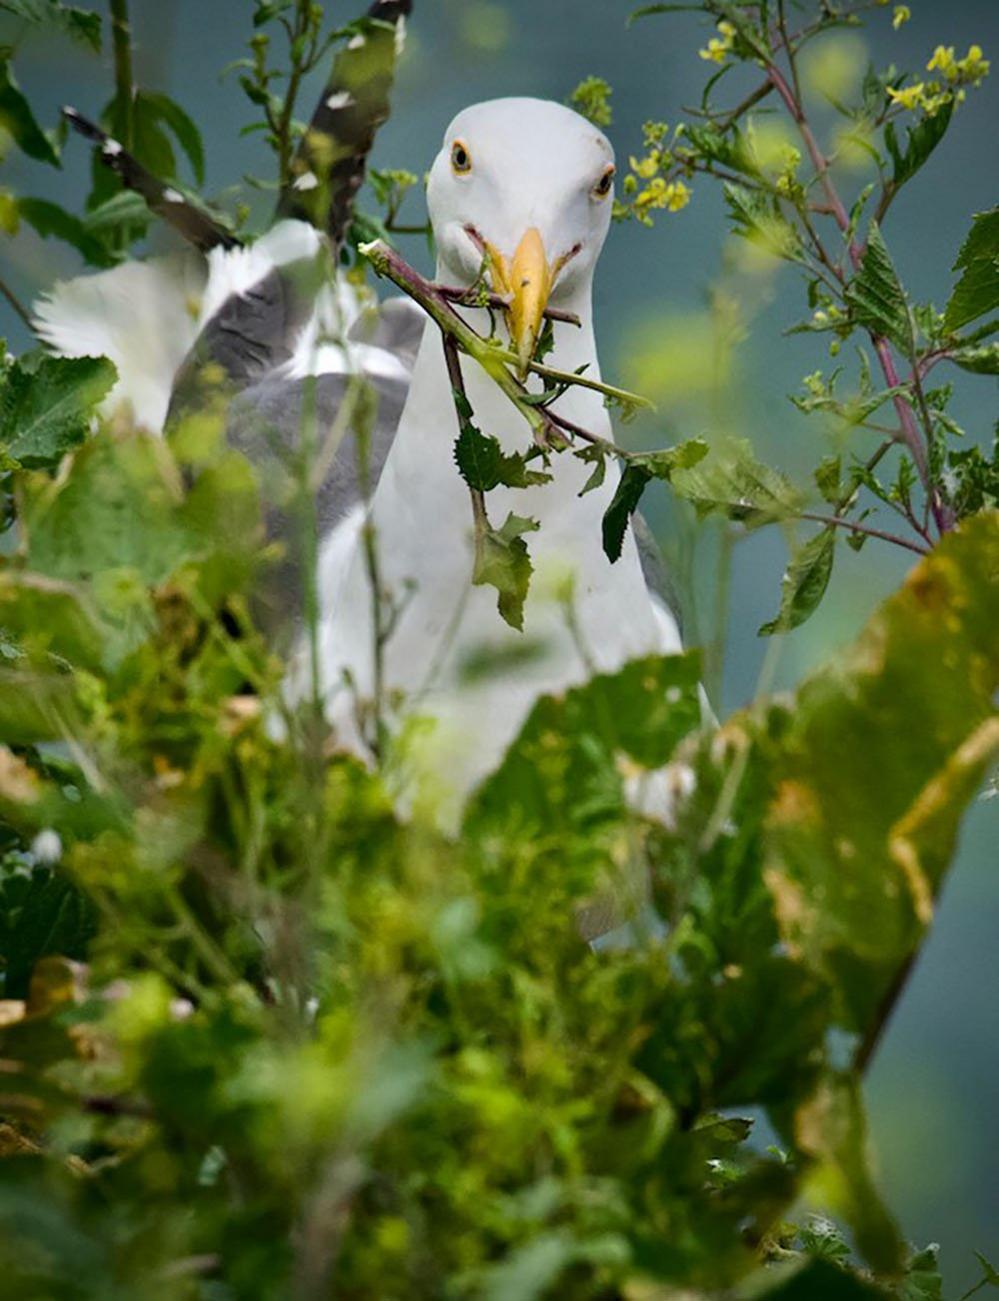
837	521
903	409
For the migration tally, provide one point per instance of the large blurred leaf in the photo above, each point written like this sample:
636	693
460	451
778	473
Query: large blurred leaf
50	219
873	766
18	120
730	481
79	24
977	292
562	771
46	406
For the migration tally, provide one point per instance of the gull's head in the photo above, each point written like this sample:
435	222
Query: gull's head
526	185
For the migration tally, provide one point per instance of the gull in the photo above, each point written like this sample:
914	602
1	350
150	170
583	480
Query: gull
530	183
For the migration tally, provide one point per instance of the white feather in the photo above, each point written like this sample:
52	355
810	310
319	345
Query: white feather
143	315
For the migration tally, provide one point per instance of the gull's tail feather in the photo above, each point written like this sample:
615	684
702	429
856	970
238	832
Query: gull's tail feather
143	315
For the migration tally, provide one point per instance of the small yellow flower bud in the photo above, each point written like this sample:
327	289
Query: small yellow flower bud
901	15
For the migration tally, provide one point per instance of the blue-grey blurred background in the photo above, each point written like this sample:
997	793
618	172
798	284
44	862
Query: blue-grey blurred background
932	1089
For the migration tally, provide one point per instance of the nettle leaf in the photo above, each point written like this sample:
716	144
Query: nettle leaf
79	24
41	913
731	481
804	585
921	140
49	219
876	295
17	119
982	360
46	406
922	1281
758	219
484	465
502	561
638	472
977	292
597	457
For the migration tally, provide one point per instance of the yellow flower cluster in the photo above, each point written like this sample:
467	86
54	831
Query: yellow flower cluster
660	193
719	47
957	74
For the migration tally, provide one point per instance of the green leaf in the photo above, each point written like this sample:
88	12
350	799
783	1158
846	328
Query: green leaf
647	11
562	775
922	1281
184	129
623	505
758	219
50	219
502	561
41	913
483	464
732	482
876	295
45	409
981	360
977	291
804	585
864	817
79	24
921	140
597	457
818	1280
637	473
990	1274
17	119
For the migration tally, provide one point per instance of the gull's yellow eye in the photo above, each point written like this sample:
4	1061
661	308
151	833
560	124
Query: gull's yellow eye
604	186
461	159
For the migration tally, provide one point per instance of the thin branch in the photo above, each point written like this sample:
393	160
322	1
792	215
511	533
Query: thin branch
837	521
121	40
471	297
16	304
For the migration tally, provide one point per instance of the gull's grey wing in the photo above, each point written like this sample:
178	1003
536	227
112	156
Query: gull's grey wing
250	335
654	570
396	327
265	423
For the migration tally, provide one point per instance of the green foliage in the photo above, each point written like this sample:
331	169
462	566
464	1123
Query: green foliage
264	1036
502	561
592	98
977	291
81	25
805	582
46	404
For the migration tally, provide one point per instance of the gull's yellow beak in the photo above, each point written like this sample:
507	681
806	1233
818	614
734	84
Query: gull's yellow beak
527	280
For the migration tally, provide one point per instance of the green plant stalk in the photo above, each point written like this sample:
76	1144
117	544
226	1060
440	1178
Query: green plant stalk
121	40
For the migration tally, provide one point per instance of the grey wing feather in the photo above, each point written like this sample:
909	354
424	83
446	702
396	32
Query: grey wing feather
654	570
265	423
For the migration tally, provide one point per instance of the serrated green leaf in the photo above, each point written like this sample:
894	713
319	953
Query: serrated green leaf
45	411
730	481
636	475
595	456
623	505
17	119
921	140
981	360
977	291
876	296
804	584
827	478
502	561
758	219
483	464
